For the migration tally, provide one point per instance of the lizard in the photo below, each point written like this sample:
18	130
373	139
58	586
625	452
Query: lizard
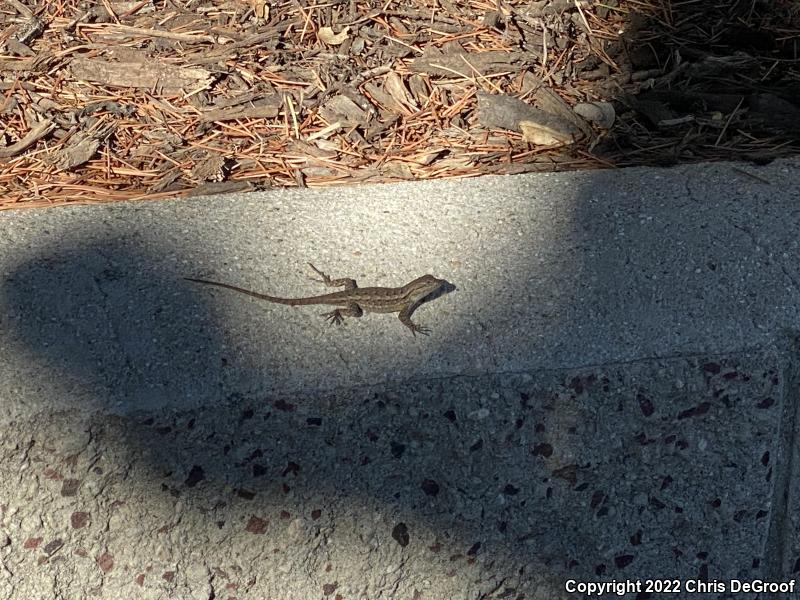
354	301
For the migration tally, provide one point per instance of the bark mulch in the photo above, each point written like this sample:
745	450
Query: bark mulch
117	100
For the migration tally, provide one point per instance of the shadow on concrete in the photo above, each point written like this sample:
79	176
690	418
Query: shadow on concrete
507	476
499	480
100	317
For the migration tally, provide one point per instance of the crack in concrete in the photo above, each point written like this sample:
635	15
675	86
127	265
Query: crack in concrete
778	542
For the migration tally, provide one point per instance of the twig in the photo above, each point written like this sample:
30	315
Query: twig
42	129
728	122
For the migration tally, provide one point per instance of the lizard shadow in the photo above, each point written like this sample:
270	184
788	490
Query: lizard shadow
445	288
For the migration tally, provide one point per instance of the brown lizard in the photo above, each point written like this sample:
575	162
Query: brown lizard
355	300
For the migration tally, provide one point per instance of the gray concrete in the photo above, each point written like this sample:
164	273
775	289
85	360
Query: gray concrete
609	394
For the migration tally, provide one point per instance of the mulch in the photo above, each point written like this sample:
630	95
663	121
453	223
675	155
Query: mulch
145	99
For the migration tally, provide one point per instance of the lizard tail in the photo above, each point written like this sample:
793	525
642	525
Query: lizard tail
289	301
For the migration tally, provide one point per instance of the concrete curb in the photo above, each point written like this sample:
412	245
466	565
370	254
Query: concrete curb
609	395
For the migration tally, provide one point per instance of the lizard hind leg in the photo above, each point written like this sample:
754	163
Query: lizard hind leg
345	282
336	317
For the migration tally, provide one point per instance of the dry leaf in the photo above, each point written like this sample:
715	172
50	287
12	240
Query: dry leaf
393	84
261	9
600	113
540	134
326	35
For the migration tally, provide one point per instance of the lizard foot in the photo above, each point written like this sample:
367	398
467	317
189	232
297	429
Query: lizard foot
334	317
325	278
419	329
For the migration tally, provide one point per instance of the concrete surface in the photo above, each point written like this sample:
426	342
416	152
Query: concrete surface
608	396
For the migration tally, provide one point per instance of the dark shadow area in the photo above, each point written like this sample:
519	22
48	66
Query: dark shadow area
108	322
702	81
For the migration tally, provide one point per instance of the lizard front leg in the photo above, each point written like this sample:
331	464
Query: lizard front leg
346	282
405	319
336	317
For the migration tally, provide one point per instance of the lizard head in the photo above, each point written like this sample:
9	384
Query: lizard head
427	288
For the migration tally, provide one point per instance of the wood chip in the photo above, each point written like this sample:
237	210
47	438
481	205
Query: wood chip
468	64
210	167
343	109
151	75
539	127
299	94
